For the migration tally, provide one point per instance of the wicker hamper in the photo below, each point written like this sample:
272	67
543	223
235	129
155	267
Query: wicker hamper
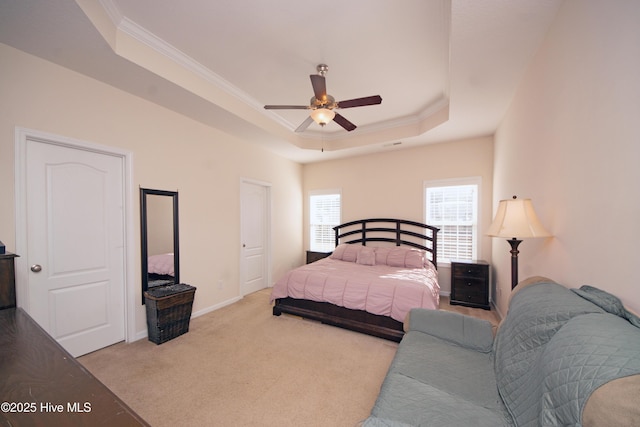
168	311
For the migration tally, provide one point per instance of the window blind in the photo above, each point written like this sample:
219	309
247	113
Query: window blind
324	214
453	209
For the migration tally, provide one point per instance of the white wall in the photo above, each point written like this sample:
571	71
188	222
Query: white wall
391	184
571	143
170	152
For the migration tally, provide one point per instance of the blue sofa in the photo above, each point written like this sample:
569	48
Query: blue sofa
561	357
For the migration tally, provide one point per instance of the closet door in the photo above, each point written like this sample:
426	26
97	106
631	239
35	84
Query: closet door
255	212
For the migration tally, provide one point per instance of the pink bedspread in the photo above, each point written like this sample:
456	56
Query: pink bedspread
378	289
161	264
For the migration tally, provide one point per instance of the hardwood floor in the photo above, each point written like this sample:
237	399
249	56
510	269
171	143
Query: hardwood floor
490	315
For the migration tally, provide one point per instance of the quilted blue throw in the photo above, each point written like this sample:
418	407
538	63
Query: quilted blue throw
564	345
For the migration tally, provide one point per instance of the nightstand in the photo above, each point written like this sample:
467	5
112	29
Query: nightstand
470	283
315	256
7	281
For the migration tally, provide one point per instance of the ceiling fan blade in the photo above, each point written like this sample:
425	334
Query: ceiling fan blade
319	87
344	122
304	125
360	102
286	107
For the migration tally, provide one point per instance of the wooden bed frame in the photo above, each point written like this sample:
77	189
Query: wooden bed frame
397	231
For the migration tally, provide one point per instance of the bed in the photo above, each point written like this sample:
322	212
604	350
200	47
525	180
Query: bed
379	270
160	270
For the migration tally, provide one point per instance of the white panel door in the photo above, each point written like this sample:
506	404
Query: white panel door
254	235
75	228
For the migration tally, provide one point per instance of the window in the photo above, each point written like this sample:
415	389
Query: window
452	206
324	214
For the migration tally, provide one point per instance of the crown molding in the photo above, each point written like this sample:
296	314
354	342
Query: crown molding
135	31
146	37
112	11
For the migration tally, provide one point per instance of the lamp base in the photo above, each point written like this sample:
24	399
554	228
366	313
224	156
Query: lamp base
514	261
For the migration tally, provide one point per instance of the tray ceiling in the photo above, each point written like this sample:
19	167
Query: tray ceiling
446	69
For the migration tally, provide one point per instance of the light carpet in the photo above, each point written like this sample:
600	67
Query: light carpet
242	366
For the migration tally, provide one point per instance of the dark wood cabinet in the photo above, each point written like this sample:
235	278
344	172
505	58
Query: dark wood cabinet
315	256
470	284
46	386
7	281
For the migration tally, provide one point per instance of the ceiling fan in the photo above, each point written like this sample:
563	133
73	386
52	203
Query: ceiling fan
322	106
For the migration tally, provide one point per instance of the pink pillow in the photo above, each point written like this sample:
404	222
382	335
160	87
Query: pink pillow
366	256
346	252
338	252
351	253
414	259
401	257
381	255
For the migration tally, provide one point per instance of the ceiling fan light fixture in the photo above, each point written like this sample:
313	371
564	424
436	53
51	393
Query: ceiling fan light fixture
322	116
321	104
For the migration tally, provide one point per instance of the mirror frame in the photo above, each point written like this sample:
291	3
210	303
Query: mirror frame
144	234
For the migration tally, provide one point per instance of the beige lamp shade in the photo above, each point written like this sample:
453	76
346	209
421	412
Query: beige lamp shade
322	116
517	219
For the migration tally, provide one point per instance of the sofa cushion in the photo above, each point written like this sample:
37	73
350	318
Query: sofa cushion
434	382
466	331
461	371
416	403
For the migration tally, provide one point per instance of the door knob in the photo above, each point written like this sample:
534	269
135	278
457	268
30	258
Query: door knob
36	268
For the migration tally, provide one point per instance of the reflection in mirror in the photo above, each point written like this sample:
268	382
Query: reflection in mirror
159	238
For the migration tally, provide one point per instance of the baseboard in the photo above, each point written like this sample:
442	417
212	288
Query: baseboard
494	307
140	335
215	307
144	334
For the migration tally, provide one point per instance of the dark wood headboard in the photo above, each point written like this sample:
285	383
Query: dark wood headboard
396	231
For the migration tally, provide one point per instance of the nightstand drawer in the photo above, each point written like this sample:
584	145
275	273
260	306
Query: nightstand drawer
469	270
470	290
464	284
479	300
